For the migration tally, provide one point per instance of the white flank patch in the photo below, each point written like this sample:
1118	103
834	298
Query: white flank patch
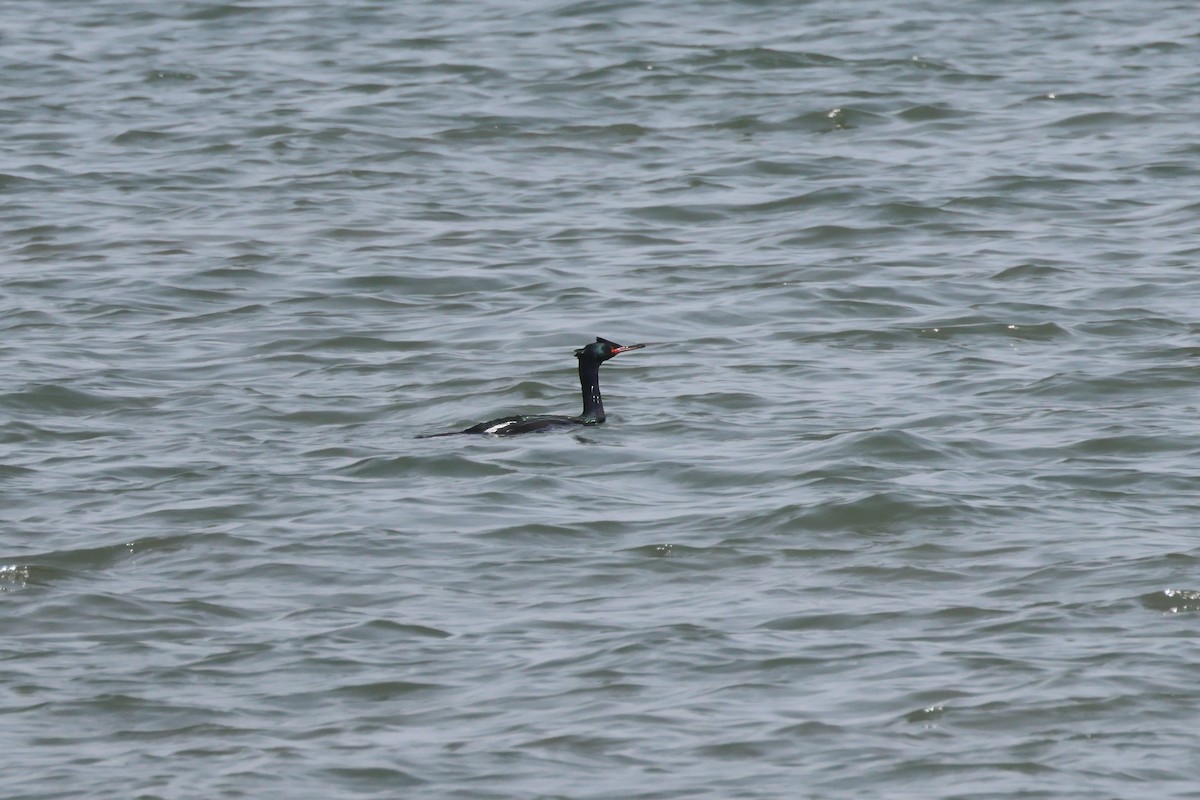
499	427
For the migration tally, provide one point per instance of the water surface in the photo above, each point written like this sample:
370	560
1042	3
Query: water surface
901	503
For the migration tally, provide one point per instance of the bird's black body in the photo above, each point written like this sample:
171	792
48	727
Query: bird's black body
590	359
524	423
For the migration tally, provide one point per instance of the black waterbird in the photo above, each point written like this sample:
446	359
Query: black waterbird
590	358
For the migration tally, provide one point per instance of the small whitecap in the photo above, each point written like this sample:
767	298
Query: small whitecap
13	577
927	714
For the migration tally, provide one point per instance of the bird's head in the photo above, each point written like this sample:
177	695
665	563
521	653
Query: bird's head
602	350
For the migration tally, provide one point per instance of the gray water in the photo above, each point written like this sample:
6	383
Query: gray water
902	502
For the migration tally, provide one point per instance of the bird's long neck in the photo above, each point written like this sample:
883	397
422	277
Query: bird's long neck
589	382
